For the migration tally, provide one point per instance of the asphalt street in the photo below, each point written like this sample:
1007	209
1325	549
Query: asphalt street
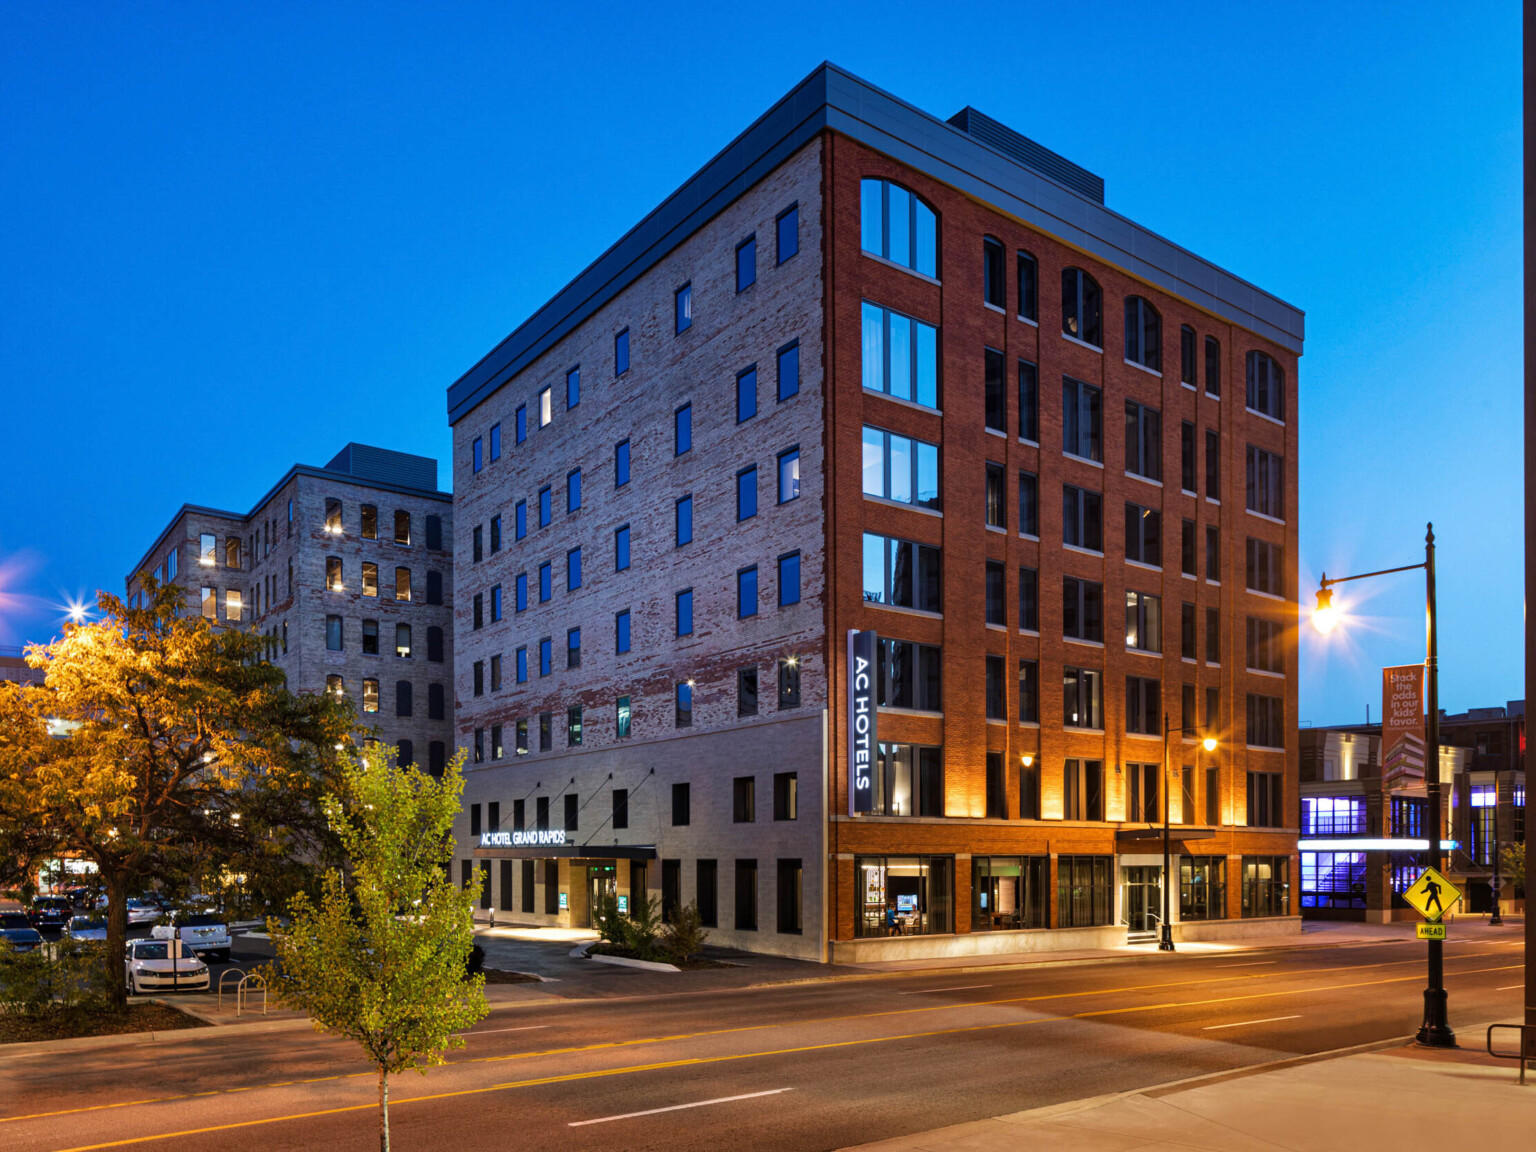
801	1066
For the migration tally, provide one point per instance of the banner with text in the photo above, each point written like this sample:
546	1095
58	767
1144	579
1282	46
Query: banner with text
861	717
1402	725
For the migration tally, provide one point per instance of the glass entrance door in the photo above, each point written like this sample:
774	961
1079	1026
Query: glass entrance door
602	884
1143	894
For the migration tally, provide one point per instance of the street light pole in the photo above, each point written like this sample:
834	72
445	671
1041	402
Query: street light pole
1435	1031
1165	937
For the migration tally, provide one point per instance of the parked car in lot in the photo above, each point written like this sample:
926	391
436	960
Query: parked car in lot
142	911
16	928
163	965
50	913
85	928
204	933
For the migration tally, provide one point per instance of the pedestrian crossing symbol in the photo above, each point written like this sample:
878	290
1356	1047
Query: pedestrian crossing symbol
1432	894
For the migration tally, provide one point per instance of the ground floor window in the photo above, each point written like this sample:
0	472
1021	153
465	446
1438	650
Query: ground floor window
485	885
708	878
789	889
903	895
1085	890
746	895
1333	879
505	902
1203	888
1406	868
528	882
1009	892
551	887
1266	885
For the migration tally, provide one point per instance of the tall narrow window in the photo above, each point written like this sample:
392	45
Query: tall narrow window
682	309
996	501
1029	402
333	573
1143	534
996	594
522	423
1212	367
685	612
682	516
789	475
402	526
621	464
1213	553
746	394
789	579
1188	359
1143	622
370	519
402	583
746	493
1187	465
1212	464
993	278
746	263
621	632
1082	419
746	592
476	456
1029	599
403	641
1029	272
1143	334
546	506
1082	518
682	429
996	691
1187	548
789	685
1081	307
621	548
520	520
621	353
787	230
495	442
1143	441
1082	609
1266	483
573	570
1029	504
208	550
1029	691
789	370
333	634
996	403
683	698
1083	698
546	406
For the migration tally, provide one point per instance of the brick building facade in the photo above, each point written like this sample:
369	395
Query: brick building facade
1011	414
347	571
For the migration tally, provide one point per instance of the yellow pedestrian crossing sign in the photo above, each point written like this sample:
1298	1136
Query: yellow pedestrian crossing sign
1432	894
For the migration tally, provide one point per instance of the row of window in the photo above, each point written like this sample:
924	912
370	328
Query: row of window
898	226
335	581
336	639
524	729
914	895
486	449
405	693
789	874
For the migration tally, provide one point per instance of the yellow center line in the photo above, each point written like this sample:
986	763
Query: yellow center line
691	1061
648	1040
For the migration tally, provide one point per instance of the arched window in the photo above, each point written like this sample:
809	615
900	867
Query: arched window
402	698
1143	334
1082	307
1266	385
405	753
896	225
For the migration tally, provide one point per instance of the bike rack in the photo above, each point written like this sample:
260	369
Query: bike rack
1527	1033
250	984
222	977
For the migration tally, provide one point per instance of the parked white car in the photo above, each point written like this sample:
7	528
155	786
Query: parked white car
142	912
205	934
149	967
85	928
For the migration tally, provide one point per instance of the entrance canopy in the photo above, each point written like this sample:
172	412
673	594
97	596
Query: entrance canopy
1157	834
566	851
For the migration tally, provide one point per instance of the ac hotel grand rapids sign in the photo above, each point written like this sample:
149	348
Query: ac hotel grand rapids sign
861	722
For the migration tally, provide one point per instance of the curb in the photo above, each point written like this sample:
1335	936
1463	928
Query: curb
626	962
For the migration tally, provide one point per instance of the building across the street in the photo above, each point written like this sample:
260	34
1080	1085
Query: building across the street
1364	831
14	666
346	570
797	534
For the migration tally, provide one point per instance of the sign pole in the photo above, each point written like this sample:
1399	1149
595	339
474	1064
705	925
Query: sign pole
1435	1031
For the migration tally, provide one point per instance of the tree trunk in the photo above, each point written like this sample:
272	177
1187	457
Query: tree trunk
117	938
383	1110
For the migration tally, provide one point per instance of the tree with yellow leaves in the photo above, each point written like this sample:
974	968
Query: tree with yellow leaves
159	745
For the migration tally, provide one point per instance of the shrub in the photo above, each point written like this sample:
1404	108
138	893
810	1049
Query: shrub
53	978
684	934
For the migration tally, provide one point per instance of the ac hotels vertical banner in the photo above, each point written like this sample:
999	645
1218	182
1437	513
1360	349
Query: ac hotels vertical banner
1402	725
861	722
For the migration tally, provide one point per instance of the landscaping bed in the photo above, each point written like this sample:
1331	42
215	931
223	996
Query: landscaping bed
69	1024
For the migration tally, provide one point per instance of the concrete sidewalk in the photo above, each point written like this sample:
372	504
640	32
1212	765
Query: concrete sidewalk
1397	1096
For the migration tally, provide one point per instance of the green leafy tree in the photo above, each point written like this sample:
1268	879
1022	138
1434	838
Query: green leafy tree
381	957
160	749
1512	861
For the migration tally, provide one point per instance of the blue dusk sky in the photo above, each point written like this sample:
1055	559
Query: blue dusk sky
237	237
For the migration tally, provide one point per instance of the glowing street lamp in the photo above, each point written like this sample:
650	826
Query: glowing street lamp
1165	934
1435	1031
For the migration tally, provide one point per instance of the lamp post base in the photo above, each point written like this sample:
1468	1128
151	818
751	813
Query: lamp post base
1165	939
1435	1032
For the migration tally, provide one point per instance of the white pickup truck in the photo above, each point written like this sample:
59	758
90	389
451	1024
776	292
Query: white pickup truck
203	933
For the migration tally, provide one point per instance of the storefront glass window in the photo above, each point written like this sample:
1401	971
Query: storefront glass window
1333	879
903	895
1203	888
1084	891
1009	892
1266	885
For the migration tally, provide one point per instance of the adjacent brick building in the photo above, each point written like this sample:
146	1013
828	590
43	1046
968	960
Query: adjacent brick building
346	569
872	372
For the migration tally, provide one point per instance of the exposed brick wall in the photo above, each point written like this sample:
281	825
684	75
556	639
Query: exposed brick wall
967	327
730	331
